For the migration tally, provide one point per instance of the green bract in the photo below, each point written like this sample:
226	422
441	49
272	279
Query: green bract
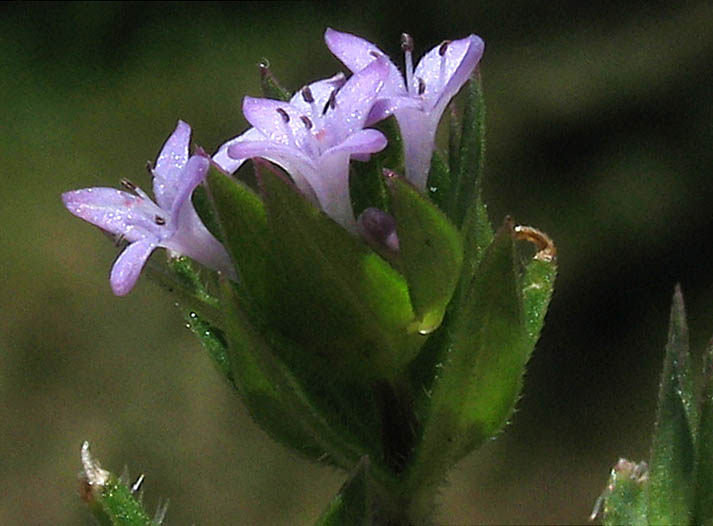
111	500
678	486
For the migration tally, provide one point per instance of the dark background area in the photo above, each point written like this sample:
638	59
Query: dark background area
600	133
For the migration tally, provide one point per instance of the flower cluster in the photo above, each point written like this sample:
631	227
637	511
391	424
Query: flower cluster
371	317
313	137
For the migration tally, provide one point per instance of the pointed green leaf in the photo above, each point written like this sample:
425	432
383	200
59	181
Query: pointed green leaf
354	504
439	181
471	152
204	207
537	287
392	157
624	502
480	373
276	399
366	182
271	87
181	278
431	253
112	501
243	222
703	511
477	236
339	299
213	341
489	337
673	448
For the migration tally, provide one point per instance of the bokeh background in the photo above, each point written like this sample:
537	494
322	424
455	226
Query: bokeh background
600	133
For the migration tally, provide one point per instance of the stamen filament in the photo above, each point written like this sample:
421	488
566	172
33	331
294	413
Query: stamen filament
331	102
407	47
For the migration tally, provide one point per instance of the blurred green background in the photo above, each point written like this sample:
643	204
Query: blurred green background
600	133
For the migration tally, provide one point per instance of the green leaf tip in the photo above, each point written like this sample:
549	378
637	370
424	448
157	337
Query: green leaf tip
110	499
538	280
242	220
678	488
270	86
703	508
673	445
431	252
468	162
354	504
624	499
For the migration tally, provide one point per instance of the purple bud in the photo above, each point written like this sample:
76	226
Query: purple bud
379	229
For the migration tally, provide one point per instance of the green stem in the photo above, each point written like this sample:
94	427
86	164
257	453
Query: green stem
192	298
403	502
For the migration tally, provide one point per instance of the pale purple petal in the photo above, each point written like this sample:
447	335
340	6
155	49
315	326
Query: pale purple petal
169	164
321	91
193	173
418	132
331	184
355	99
362	142
278	121
117	212
361	157
300	166
437	78
444	75
190	237
128	265
194	240
385	107
227	163
325	183
356	54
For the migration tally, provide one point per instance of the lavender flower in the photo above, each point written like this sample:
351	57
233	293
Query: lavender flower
419	101
172	223
313	136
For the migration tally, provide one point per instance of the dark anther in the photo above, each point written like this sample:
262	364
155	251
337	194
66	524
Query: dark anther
444	47
128	185
406	42
306	121
283	114
307	95
374	54
421	86
159	220
149	168
331	102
